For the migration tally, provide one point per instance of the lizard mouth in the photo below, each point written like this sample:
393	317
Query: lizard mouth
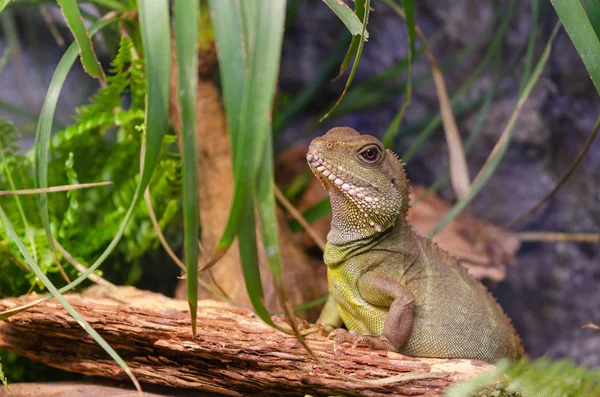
340	178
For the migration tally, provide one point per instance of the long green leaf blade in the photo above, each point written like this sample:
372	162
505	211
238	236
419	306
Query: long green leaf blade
592	9
154	21
356	60
582	34
186	42
502	145
44	127
3	4
156	40
359	8
265	33
392	130
70	309
226	22
348	17
89	61
227	29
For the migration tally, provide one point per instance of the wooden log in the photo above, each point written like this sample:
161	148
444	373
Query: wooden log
96	388
233	354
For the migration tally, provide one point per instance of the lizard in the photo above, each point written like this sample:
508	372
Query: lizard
393	289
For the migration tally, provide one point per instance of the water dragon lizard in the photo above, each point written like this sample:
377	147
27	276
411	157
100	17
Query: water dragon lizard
393	289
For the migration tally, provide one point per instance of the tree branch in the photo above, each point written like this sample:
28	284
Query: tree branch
234	353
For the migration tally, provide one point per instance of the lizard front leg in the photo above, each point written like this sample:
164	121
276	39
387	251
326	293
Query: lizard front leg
330	318
383	291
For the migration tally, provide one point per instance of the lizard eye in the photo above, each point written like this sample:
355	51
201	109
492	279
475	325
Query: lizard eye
370	154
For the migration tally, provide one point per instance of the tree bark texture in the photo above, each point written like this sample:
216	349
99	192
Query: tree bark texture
233	354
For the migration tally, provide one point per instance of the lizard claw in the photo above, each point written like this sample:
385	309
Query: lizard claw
340	336
281	318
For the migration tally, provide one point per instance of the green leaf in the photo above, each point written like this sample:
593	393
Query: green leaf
89	61
226	25
48	284
498	153
392	130
264	21
493	49
44	127
154	21
312	214
577	24
592	9
2	376
359	8
535	13
186	43
3	4
299	101
356	59
348	17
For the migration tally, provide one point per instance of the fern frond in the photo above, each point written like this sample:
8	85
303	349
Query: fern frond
109	98
100	120
4	380
137	87
541	377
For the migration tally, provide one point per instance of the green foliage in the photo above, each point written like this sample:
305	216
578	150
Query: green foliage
3	379
528	379
103	144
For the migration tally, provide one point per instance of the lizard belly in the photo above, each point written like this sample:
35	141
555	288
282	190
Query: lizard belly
358	315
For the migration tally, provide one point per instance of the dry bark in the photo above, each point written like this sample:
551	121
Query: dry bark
93	389
233	354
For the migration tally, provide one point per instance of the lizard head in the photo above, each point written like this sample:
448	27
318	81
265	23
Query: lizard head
366	182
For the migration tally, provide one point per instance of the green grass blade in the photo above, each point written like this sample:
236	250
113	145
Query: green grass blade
582	33
186	43
114	5
312	214
249	258
8	129
154	21
361	44
592	9
226	24
2	376
156	40
265	26
563	179
473	135
494	48
392	130
350	53
535	13
3	4
89	61
300	100
348	17
44	127
498	153
359	9
48	284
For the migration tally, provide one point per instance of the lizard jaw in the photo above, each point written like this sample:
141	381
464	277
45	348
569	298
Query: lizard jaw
332	177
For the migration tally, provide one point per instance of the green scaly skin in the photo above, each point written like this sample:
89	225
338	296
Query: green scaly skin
393	289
